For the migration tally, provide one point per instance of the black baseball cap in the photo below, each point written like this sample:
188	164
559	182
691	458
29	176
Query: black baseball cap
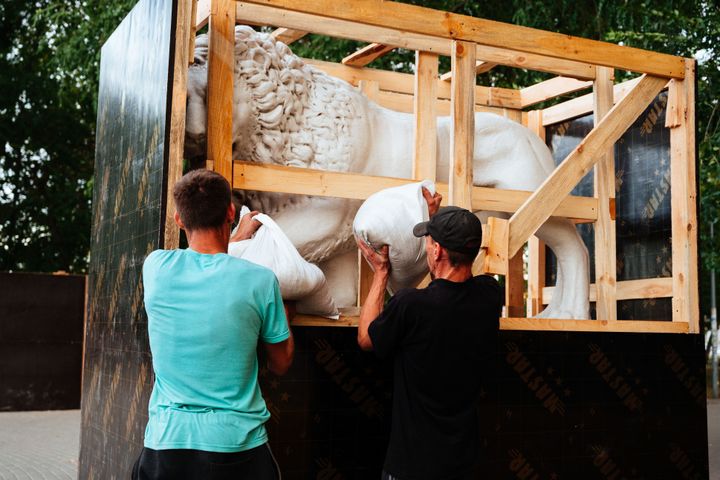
454	228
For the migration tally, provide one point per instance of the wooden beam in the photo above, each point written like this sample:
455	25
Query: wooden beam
627	290
480	67
680	118
288	35
604	178
365	277
552	88
183	32
191	36
564	178
405	83
202	16
221	61
307	181
536	247
367	54
267	15
463	128
515	287
561	325
348	318
436	23
425	145
583	105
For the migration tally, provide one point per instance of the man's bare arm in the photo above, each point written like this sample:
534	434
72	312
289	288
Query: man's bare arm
374	302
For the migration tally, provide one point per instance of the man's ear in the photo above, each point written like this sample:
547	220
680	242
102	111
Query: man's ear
178	221
231	213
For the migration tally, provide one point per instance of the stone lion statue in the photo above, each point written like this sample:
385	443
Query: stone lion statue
286	112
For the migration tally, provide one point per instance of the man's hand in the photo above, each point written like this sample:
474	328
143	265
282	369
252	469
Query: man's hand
248	227
433	201
379	261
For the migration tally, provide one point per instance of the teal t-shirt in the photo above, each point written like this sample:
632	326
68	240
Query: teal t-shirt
206	314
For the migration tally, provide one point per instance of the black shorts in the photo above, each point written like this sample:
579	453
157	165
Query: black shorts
256	464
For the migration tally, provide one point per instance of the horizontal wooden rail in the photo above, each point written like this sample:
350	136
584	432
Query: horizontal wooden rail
306	181
267	15
451	26
552	88
288	35
367	54
627	290
404	83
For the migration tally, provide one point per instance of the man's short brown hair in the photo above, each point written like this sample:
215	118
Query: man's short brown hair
202	198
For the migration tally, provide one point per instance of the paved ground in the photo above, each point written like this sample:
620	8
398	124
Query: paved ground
39	445
45	445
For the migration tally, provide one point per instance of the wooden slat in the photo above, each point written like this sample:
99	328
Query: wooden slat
560	325
367	54
480	67
494	250
564	178
306	181
604	179
348	318
405	83
202	16
267	15
536	247
365	277
463	125
552	88
183	32
401	102
288	35
627	290
191	36
540	63
583	105
448	25
515	287
681	121
221	60
425	145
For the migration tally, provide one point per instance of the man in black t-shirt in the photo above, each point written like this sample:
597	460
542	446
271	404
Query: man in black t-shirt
442	339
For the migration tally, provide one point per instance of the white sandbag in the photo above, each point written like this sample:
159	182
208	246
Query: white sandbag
387	218
299	280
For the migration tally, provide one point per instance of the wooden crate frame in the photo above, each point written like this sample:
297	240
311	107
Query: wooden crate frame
474	45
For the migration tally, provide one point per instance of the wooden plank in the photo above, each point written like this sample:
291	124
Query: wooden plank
425	144
248	12
348	318
540	63
307	181
401	102
202	16
365	277
480	67
560	325
681	121
627	290
288	35
463	129
604	179
411	18
183	32
515	287
221	60
367	54
495	241
405	83
583	105
536	247
552	88
191	36
536	209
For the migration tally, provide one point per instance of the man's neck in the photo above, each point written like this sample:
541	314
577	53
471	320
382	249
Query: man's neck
209	241
458	273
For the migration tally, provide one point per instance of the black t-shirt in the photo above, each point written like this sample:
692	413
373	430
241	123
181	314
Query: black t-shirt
442	340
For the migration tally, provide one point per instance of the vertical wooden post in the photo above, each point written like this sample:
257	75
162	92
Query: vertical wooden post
681	121
463	131
605	248
425	153
365	276
184	30
221	60
514	301
536	247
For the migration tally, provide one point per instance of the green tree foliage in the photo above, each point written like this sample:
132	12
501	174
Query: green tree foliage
49	52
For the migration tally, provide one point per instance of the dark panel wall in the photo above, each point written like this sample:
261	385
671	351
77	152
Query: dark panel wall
128	208
41	334
561	406
642	173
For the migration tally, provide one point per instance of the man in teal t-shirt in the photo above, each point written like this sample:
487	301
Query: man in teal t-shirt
207	312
